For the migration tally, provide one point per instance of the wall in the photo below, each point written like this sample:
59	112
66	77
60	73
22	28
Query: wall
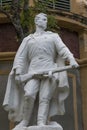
79	7
83	74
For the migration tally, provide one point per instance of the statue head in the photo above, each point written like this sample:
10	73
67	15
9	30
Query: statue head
41	20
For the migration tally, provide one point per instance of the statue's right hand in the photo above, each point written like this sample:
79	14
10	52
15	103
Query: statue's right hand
17	79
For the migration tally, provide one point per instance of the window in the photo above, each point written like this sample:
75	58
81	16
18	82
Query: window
5	2
57	4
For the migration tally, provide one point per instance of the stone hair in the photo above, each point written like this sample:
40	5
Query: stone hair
38	15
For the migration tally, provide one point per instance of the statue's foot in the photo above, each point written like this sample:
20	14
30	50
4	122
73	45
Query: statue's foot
41	124
21	125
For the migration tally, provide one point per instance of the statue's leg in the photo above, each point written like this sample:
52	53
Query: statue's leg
46	92
31	89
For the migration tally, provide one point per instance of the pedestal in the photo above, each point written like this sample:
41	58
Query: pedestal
50	126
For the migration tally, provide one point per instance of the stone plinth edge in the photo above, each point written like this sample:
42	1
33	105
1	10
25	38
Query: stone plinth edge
50	126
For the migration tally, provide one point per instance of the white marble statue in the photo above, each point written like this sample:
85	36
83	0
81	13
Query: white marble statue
39	51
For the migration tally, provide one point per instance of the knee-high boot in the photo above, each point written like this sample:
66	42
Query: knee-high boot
28	108
43	112
27	112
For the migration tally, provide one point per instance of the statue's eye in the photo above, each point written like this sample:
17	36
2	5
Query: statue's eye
44	19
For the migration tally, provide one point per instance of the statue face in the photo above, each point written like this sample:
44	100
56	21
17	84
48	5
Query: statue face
41	21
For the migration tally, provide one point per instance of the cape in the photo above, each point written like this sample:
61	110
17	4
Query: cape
14	96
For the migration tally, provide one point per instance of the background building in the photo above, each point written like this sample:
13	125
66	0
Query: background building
72	20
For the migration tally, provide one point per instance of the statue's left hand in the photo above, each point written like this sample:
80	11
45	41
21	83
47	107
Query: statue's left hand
74	64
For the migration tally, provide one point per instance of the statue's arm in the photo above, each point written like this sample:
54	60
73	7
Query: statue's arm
21	60
64	52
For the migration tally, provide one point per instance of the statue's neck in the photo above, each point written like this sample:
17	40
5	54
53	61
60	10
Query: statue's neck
39	31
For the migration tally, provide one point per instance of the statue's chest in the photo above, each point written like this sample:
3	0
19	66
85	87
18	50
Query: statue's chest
41	42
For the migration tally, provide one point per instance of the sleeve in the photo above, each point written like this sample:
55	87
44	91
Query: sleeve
62	49
21	58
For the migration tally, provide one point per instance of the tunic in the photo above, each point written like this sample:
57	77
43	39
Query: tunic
42	51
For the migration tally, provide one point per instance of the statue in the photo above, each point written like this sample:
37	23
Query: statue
43	50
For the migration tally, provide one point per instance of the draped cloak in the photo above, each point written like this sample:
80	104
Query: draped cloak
14	96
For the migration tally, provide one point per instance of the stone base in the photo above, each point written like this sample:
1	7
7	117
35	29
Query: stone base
50	126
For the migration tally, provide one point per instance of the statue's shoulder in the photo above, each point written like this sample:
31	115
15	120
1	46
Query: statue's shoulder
53	33
28	37
49	32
